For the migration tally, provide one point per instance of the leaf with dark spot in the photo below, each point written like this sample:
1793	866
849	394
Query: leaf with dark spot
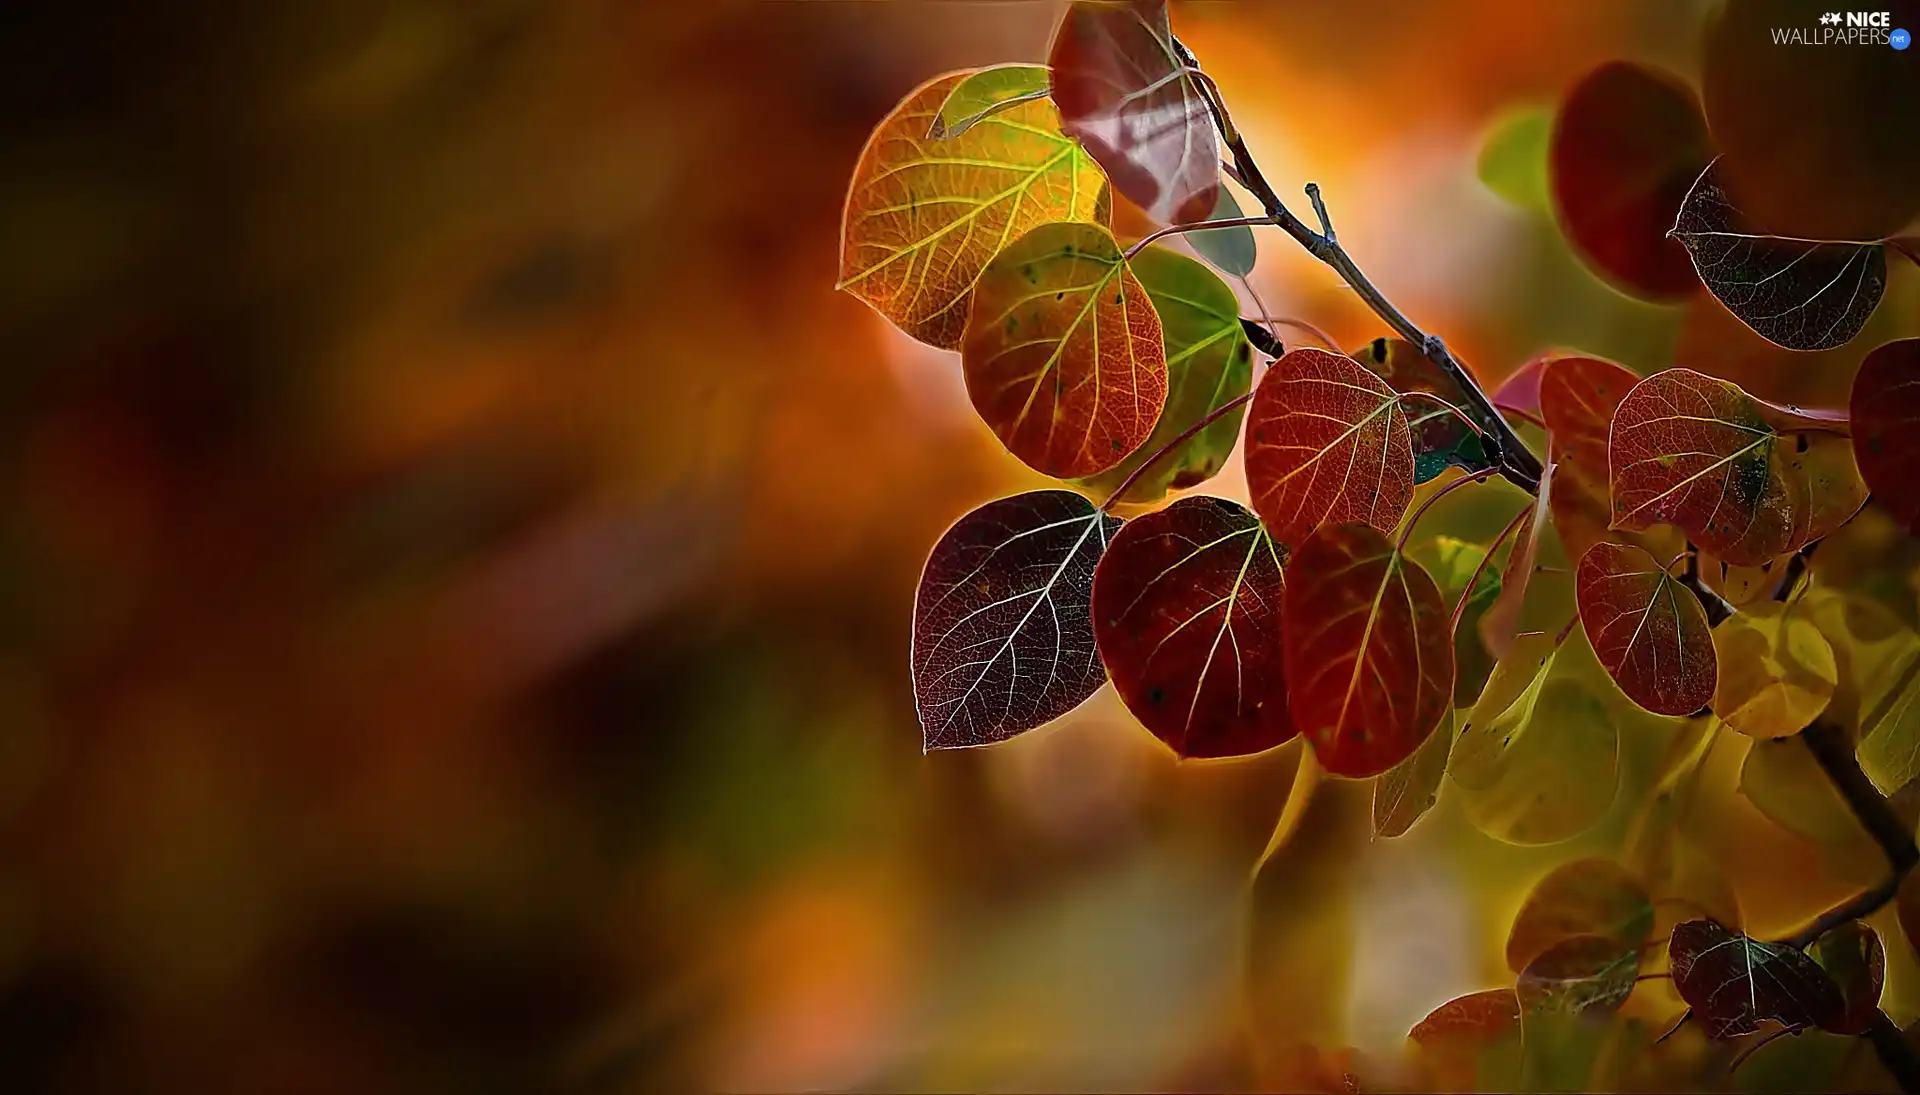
1734	982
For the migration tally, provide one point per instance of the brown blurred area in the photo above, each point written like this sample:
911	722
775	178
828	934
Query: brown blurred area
457	548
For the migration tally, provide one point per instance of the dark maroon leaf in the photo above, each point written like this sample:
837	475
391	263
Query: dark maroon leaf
1734	982
1886	428
1002	624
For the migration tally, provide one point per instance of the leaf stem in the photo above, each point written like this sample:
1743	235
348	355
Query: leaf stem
1460	606
1197	226
1186	435
1457	412
1471	477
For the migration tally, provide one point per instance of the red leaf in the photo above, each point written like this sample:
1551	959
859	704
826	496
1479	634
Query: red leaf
1627	144
1326	442
1186	608
1520	391
1647	629
1368	651
1578	396
1886	428
1125	91
1471	1040
1734	982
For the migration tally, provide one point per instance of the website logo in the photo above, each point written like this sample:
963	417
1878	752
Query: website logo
1851	28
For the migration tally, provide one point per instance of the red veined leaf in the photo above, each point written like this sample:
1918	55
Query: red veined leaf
1647	629
1368	652
923	218
1501	622
1063	353
1186	608
1472	1042
1734	982
1594	897
1327	442
1627	143
1002	623
1440	437
1886	428
1578	396
1576	975
1852	956
1127	93
1745	480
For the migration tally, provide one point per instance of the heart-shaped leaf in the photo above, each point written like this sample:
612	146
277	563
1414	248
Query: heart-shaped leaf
1578	396
1186	608
1471	1043
924	218
1594	897
1627	144
1327	442
1368	653
1231	250
1886	428
1777	671
1126	91
1063	354
1209	364
1734	982
1440	437
1647	629
1799	293
985	93
1852	956
1745	480
1002	623
1404	793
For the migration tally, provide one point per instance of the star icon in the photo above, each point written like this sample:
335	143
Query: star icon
1831	17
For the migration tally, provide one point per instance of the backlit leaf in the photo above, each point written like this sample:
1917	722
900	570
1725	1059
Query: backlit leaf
1745	480
1186	608
1734	982
1471	1043
1126	92
1853	957
1520	391
985	93
1513	158
1501	622
1231	250
1578	396
1804	294
1327	442
1452	562
1369	658
924	218
1063	354
1878	695
1593	897
1647	629
1209	364
1783	781
1002	623
1404	793
1886	428
1628	142
1777	671
1579	974
1440	437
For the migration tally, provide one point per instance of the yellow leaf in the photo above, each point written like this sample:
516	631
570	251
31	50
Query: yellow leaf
1777	671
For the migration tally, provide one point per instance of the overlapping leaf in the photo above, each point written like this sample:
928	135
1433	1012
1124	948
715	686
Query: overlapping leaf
1186	609
1852	956
1734	982
1440	437
1628	142
1002	623
1063	353
1404	793
1578	396
1804	294
1501	622
1231	250
1520	391
1886	428
1368	654
1783	781
1577	975
923	218
1592	898
1209	364
1471	1043
985	93
1453	563
1647	629
1745	480
1777	671
1327	442
1126	92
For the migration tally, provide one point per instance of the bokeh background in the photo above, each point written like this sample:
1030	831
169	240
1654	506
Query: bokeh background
456	553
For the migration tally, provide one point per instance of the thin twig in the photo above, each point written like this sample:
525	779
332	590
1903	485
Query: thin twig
1320	210
1457	412
1197	226
1160	453
1471	477
1460	606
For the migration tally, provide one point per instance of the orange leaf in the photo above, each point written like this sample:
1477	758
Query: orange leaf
1647	629
1578	396
1886	428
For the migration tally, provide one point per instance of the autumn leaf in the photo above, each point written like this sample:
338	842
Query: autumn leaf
1852	956
1593	897
1803	294
1126	92
1404	793
1002	623
1186	609
1209	364
1368	654
1734	982
1471	1043
1327	442
1063	354
1745	480
1520	391
985	93
1777	671
1501	621
1440	436
1647	629
1627	144
923	218
1886	428
1578	396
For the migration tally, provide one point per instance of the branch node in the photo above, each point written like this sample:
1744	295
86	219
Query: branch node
1320	210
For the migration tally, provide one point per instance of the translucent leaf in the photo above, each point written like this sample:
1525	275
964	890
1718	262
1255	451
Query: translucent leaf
1594	897
1784	782
1231	250
1471	1043
986	93
1577	399
1878	695
1404	793
1734	982
1327	443
1777	671
1648	631
1886	428
1440	438
923	219
1852	956
1209	364
1369	658
1186	609
1501	622
1576	975
1513	158
1063	353
1452	562
1002	622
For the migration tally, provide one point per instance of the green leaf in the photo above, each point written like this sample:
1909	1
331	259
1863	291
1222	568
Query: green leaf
1232	250
986	93
1513	158
1404	793
1878	695
1452	561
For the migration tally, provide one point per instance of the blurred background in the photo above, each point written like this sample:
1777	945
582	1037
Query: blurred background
457	551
